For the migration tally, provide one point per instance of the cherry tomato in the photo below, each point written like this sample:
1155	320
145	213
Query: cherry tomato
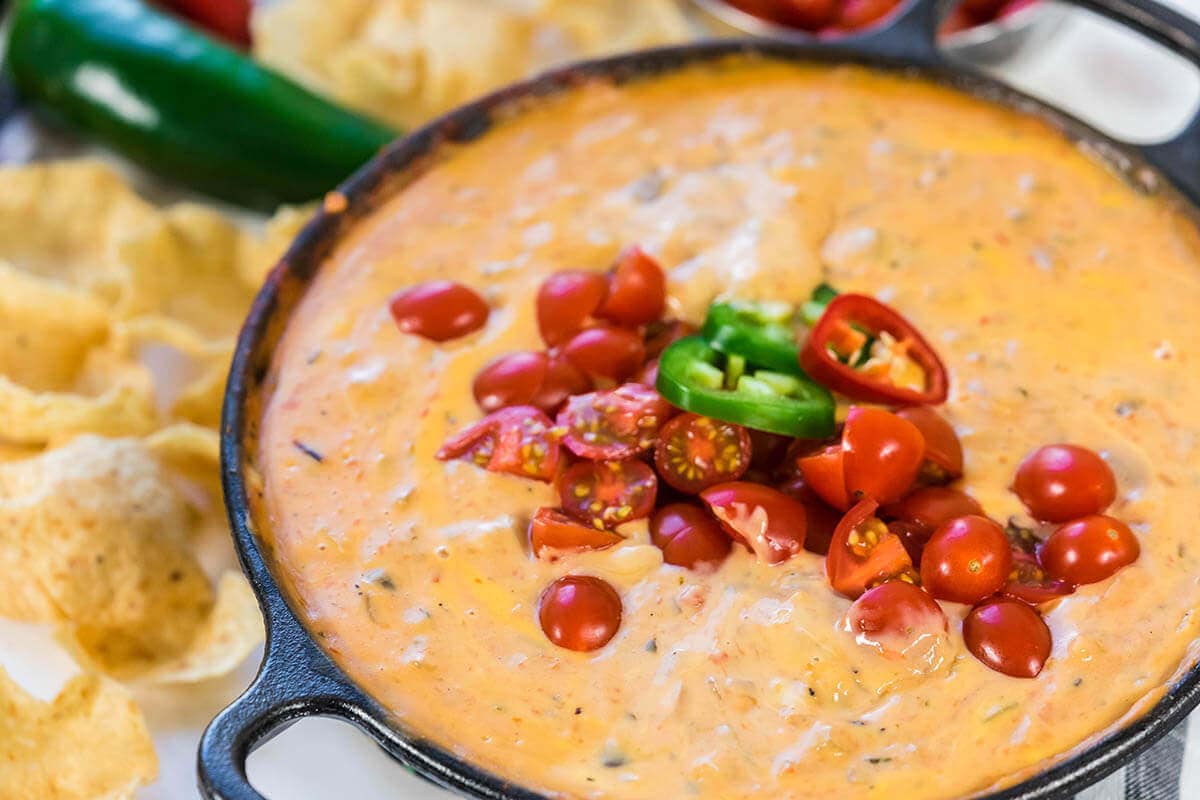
510	380
822	519
689	537
695	452
1029	583
864	553
1013	7
1060	482
666	332
229	19
855	15
518	440
966	559
929	507
439	310
896	617
982	10
551	529
808	15
956	21
914	538
766	520
613	424
566	302
637	289
608	493
1089	550
528	379
1009	637
943	450
763	9
882	454
614	354
580	612
825	474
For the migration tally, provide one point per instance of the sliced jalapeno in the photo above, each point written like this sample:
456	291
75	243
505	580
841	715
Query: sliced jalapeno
762	333
696	377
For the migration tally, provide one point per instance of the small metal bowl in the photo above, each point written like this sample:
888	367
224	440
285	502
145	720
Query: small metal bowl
990	43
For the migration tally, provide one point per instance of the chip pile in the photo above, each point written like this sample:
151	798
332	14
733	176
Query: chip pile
404	61
117	323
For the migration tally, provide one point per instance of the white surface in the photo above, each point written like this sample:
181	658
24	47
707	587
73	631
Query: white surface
1102	74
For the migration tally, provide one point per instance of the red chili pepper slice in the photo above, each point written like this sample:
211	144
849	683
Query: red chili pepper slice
822	355
518	440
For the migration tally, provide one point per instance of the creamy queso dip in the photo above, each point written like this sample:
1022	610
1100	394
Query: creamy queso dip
1062	300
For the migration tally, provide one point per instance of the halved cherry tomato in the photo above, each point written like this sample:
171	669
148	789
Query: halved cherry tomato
689	537
637	289
695	452
766	520
528	379
1009	637
930	507
613	424
825	474
1060	482
1028	582
608	493
822	519
879	457
943	450
614	354
439	310
864	552
551	529
649	374
821	359
665	332
882	454
966	560
1089	550
518	440
580	612
566	303
896	617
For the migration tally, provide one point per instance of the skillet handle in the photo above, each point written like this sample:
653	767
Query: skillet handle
295	681
1179	156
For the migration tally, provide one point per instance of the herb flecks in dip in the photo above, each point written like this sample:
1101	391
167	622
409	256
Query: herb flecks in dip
1051	291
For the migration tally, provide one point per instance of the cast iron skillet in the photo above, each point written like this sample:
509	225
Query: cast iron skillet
297	679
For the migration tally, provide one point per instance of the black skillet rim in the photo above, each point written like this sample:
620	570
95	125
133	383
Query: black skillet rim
298	679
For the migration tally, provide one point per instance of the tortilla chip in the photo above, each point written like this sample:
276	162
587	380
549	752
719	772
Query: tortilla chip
404	61
181	267
28	417
62	220
90	743
46	329
193	455
102	536
232	631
